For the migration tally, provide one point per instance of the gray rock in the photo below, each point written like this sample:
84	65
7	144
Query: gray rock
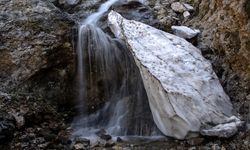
103	135
178	7
186	14
183	91
188	7
224	130
185	32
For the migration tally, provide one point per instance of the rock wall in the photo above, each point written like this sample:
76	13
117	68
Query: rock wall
225	40
36	53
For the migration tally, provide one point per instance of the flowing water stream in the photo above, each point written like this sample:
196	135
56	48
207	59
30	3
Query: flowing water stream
106	73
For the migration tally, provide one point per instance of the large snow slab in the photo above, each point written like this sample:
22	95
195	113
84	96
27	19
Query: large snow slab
183	90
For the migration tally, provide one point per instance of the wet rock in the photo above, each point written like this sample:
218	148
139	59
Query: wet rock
101	132
178	7
7	127
182	94
136	10
106	137
185	32
103	135
119	140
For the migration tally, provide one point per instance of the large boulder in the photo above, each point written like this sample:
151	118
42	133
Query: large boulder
184	93
36	54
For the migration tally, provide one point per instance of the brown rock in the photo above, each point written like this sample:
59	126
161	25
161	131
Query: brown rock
225	40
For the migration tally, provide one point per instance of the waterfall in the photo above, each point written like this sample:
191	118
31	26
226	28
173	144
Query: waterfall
106	73
92	19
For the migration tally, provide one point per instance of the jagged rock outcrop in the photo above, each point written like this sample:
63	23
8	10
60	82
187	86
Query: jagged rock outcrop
184	93
225	40
35	48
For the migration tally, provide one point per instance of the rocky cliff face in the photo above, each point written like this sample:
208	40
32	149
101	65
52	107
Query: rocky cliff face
225	40
36	53
36	67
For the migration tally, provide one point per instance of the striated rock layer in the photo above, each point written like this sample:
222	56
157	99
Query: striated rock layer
184	93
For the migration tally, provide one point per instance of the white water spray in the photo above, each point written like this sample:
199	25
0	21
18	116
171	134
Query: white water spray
92	19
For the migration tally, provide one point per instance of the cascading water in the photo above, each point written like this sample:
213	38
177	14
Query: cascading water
106	73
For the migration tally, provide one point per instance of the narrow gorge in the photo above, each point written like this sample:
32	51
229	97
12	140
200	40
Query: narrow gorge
124	74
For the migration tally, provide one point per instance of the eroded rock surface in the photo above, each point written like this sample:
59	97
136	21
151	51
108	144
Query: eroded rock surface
184	92
225	40
36	53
